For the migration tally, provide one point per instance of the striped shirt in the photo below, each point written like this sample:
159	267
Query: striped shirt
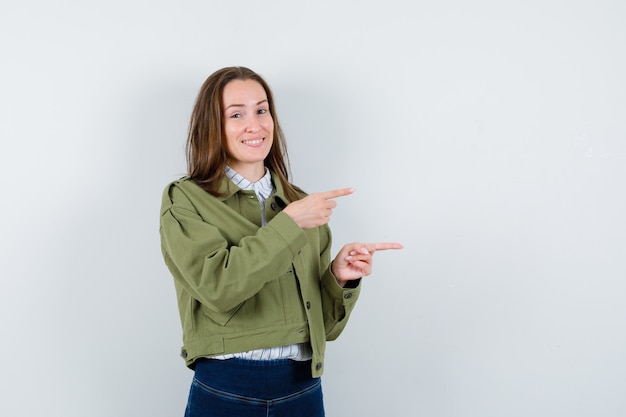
299	352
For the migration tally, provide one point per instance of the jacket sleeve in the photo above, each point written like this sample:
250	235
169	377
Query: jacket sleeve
337	302
216	273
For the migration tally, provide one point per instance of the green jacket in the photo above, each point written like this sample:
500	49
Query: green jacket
241	286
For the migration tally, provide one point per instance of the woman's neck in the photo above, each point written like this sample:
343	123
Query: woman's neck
252	173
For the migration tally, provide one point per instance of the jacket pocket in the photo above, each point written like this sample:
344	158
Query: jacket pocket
221	319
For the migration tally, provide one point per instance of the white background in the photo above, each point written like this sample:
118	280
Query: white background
487	136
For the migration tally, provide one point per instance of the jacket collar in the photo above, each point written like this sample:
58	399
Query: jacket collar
229	189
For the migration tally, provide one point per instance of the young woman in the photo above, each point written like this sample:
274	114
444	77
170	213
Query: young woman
257	291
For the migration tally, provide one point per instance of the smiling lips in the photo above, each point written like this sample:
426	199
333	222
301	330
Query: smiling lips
252	142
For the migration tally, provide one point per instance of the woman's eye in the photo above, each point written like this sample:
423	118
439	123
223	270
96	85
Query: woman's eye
262	111
235	116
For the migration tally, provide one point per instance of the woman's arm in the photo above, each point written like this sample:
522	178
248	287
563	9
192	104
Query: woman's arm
218	273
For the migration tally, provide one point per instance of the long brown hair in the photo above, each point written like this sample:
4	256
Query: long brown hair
206	143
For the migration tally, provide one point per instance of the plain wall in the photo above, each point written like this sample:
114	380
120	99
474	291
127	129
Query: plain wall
488	137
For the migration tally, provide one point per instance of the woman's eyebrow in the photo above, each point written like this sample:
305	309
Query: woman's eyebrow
243	105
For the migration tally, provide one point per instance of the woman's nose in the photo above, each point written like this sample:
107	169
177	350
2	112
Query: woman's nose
252	125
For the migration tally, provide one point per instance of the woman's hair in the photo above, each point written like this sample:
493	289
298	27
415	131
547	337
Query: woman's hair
206	143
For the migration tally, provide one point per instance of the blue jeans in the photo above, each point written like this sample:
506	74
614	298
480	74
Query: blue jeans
246	388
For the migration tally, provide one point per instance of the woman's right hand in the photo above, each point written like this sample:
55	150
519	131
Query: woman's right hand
315	209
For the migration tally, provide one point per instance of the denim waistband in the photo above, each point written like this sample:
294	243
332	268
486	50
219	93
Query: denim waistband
265	379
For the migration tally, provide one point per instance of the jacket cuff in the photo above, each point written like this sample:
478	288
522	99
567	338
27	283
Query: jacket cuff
347	294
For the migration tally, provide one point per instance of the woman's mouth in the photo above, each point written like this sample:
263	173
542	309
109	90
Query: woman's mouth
252	142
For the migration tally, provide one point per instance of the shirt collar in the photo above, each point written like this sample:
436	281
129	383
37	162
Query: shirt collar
263	188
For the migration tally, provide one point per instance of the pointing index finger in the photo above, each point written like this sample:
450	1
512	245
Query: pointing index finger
328	195
387	245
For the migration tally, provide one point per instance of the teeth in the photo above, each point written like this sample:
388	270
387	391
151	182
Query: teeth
253	141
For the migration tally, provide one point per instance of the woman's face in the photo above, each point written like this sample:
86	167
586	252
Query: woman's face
248	126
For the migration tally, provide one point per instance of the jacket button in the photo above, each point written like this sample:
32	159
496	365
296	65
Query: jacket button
348	296
183	353
308	305
274	206
318	366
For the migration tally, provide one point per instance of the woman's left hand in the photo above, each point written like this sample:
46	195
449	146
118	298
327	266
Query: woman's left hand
354	260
